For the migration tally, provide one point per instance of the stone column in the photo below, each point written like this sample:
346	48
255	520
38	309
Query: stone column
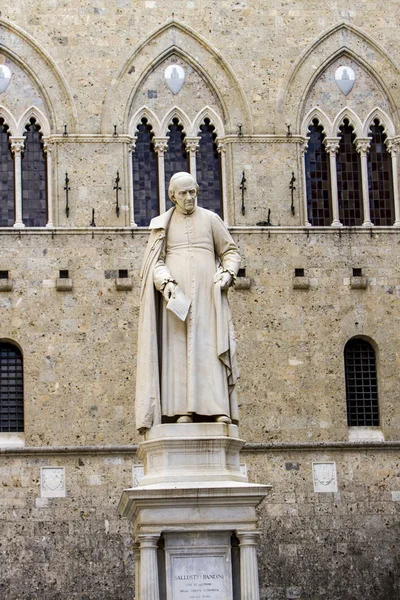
392	146
362	147
136	558
303	160
192	145
221	147
160	146
17	148
48	150
131	150
332	146
249	588
148	580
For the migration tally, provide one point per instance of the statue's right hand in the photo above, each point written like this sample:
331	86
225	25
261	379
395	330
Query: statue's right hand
169	290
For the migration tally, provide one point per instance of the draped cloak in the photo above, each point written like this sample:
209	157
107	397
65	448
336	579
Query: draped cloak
186	367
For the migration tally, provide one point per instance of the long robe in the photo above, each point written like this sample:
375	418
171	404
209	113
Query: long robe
186	367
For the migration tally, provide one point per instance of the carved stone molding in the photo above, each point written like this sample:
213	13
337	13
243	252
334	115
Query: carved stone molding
192	144
363	145
332	145
17	145
160	145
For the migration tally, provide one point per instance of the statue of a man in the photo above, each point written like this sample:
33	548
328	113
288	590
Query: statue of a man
186	369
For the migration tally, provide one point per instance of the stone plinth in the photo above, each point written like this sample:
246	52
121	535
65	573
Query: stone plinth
182	452
192	503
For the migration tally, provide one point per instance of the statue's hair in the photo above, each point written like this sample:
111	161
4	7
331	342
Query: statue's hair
173	182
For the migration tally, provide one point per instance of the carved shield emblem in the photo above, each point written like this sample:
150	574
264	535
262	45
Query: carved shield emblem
5	77
345	77
174	76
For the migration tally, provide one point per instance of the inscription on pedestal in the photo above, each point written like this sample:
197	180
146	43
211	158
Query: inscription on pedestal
199	573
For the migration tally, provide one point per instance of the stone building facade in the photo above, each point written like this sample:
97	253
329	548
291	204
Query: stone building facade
87	78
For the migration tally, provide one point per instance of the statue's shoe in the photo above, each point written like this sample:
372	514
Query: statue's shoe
185	419
223	419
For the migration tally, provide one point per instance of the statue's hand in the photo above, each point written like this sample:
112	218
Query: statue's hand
224	278
169	290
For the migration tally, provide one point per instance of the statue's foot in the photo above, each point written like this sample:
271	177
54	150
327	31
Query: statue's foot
223	419
185	419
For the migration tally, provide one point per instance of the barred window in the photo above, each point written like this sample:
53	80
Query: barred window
176	157
380	181
145	183
318	178
34	178
11	388
6	178
348	168
361	383
208	167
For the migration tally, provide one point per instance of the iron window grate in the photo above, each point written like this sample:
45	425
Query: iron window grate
11	389
361	384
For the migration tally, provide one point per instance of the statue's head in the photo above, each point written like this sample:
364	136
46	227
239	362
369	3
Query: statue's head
183	190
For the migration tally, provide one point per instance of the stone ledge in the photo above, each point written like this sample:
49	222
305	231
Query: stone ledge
64	285
358	283
124	284
6	285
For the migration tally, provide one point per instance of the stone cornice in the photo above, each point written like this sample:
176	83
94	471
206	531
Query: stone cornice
96	138
263	138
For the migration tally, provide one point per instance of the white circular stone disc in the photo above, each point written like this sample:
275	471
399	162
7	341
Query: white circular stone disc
5	77
345	78
174	76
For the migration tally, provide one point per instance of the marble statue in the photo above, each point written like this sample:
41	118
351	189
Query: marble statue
186	363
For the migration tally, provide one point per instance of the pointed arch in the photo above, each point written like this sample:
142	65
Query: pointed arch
340	40
208	113
9	120
323	120
152	119
33	113
347	114
176	38
20	47
384	120
176	113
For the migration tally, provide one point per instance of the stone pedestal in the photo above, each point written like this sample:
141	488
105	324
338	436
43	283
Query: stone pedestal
192	504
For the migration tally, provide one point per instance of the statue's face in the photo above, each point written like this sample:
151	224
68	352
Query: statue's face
185	193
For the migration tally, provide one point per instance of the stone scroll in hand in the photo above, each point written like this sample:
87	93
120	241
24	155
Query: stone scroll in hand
179	305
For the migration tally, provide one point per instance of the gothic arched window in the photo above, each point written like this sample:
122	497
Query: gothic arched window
318	178
361	383
176	157
348	169
208	168
380	182
11	388
145	184
34	179
7	185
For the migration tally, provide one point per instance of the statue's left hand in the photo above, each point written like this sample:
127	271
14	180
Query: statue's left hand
224	278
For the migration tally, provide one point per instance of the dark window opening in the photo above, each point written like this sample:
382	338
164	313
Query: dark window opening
11	388
176	157
348	169
4	274
208	168
357	272
145	176
64	274
34	178
7	178
299	272
241	273
318	178
361	383
380	179
123	274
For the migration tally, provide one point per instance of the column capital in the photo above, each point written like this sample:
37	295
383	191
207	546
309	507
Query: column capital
17	144
132	146
160	145
304	146
148	540
221	146
332	145
392	145
248	538
192	144
47	146
363	145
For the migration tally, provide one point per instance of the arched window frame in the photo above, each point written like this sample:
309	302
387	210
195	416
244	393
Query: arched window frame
7	432
366	380
315	121
191	130
362	145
